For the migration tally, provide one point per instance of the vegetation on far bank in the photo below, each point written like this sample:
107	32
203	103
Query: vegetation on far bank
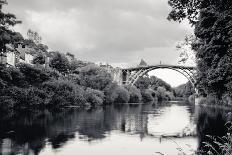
35	86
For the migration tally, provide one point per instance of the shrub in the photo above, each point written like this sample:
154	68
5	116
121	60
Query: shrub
147	95
94	97
21	98
135	94
39	59
60	63
18	79
117	94
95	77
35	75
75	78
164	95
64	93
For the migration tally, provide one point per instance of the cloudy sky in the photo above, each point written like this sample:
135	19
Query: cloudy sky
119	32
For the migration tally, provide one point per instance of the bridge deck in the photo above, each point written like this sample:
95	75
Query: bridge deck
160	66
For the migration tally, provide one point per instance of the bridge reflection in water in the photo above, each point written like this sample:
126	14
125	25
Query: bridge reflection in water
127	129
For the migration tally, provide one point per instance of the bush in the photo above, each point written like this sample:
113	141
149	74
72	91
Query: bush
35	75
117	94
60	63
135	94
164	95
95	77
10	76
39	59
94	97
21	98
147	95
64	93
75	78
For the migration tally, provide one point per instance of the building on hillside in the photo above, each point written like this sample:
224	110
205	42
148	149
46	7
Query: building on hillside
12	55
16	55
26	54
70	57
142	63
116	73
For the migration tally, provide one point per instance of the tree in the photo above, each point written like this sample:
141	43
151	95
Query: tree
212	20
34	36
135	94
34	42
7	21
143	83
39	59
60	63
95	77
187	54
78	64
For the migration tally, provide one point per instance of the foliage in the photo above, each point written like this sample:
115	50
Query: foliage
60	63
35	75
153	88
143	83
63	93
7	21
95	77
147	95
213	23
214	129
34	36
11	77
187	54
39	59
22	98
184	90
116	94
78	64
163	95
135	94
156	82
94	97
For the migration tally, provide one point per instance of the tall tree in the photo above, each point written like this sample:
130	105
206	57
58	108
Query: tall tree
60	63
212	20
34	36
7	21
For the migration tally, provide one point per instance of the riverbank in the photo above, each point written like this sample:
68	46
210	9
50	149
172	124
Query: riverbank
213	102
29	86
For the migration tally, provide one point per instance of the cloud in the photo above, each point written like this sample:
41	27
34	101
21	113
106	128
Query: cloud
112	31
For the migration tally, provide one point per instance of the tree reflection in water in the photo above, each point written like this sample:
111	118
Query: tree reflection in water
211	122
29	132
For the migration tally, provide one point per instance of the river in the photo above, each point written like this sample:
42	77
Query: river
168	128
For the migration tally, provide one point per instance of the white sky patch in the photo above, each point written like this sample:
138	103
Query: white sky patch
172	77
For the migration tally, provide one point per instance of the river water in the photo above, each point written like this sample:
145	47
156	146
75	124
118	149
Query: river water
170	128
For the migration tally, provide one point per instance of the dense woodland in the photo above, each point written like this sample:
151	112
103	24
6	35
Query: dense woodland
212	23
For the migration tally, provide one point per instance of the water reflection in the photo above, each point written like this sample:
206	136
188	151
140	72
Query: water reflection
211	122
127	129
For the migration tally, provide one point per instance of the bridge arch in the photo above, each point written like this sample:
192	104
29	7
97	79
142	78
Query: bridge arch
133	74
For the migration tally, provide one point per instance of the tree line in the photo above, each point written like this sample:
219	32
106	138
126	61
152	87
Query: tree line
212	23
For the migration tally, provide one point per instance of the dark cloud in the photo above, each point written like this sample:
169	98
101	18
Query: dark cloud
103	30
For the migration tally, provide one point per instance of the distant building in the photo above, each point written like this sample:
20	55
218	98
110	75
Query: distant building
70	57
11	55
142	63
18	54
